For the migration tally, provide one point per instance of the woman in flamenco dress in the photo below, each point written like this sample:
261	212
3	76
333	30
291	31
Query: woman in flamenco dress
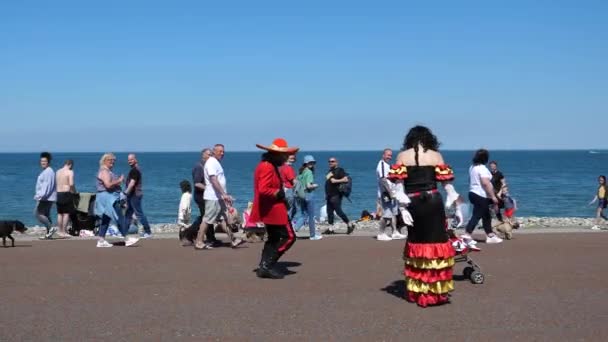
428	254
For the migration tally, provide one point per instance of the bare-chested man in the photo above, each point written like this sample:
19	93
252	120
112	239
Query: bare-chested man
64	179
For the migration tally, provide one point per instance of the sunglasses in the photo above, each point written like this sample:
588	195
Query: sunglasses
332	161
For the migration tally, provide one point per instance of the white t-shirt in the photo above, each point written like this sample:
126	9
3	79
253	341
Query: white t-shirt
213	168
380	173
184	215
476	173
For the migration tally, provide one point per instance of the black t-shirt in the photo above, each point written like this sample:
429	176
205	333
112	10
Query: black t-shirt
135	175
331	189
497	178
198	176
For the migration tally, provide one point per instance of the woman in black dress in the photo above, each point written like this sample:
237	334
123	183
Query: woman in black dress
429	256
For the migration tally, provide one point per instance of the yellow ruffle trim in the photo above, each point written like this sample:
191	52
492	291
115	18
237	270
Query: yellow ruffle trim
426	264
439	287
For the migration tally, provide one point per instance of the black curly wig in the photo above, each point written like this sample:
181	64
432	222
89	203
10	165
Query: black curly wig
423	136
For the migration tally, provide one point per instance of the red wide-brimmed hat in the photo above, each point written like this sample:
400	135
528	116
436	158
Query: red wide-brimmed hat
279	145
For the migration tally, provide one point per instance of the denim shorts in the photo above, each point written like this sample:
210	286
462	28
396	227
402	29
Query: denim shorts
602	203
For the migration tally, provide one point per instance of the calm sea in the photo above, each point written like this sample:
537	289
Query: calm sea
545	183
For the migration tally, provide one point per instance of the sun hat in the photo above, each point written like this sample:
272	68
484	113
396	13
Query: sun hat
278	145
397	171
309	159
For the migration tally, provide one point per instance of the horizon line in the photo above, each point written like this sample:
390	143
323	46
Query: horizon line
313	150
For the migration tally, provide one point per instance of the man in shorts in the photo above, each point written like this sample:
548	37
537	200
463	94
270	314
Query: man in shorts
64	179
216	199
198	179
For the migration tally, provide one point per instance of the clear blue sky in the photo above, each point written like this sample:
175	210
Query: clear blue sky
178	75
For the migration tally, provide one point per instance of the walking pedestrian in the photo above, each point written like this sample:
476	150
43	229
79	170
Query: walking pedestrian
335	176
305	195
135	195
46	194
216	200
108	201
482	197
270	207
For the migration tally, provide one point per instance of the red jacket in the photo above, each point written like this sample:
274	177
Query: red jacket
266	207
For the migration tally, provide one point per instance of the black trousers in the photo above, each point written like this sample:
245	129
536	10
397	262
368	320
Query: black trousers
280	239
334	203
481	211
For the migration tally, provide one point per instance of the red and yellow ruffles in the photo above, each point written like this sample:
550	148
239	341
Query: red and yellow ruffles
428	272
444	173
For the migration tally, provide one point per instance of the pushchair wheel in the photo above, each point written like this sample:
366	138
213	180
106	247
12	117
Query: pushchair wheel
477	277
467	272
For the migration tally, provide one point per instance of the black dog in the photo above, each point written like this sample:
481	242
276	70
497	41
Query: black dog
7	227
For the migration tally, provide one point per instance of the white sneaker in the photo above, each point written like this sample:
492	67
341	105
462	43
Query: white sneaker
316	237
596	227
383	237
398	236
104	244
493	239
130	241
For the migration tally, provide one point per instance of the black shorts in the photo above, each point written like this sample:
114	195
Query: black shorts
65	203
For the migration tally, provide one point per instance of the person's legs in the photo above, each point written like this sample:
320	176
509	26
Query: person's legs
202	231
103	227
270	254
64	225
486	217
337	203
129	212
477	212
43	214
330	211
60	227
135	203
301	216
287	239
271	244
121	222
499	215
213	211
598	213
210	234
393	222
291	202
382	226
310	207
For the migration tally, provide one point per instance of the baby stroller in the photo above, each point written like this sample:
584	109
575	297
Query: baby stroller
472	271
83	218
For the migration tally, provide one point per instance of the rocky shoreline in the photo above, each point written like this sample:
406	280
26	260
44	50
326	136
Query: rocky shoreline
372	226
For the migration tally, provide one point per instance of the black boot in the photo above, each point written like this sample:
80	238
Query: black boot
266	271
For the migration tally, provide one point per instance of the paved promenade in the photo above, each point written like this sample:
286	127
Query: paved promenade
538	287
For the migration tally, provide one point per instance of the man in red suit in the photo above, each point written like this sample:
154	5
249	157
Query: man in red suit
270	207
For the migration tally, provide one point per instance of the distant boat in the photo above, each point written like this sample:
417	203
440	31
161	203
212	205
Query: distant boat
594	152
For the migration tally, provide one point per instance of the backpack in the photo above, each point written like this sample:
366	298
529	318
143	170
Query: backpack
346	188
299	189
